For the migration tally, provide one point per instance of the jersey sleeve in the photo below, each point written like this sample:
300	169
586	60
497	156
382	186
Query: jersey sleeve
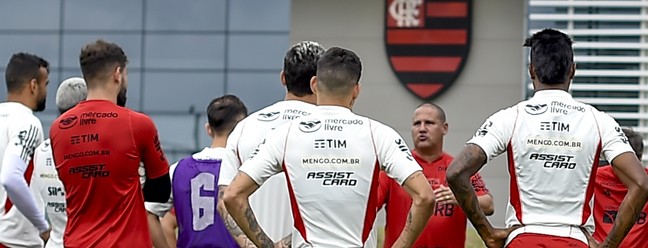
231	161
613	140
394	156
160	209
494	134
24	138
148	141
267	159
479	185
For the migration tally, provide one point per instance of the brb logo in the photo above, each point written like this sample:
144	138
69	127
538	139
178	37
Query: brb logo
427	42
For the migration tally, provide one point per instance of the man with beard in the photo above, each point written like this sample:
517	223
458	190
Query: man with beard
21	220
97	147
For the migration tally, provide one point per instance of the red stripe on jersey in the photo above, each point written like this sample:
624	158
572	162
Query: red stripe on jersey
299	222
427	36
425	64
587	210
515	192
447	9
28	176
370	216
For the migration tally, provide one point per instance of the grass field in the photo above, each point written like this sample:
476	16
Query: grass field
472	238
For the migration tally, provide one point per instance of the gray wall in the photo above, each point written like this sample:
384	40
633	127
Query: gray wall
181	55
491	78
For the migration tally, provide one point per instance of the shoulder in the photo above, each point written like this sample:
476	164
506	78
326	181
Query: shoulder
137	118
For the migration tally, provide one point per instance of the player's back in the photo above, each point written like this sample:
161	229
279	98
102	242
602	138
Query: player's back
608	196
195	192
97	154
332	167
270	202
554	146
21	132
45	183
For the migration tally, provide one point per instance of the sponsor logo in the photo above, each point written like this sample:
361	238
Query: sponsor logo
563	108
58	207
87	121
84	138
291	114
483	130
330	162
330	143
90	171
333	178
48	162
535	109
554	126
158	147
88	115
45	147
310	126
49	175
338	124
55	191
556	143
86	154
556	161
427	43
610	215
403	147
68	122
270	116
621	135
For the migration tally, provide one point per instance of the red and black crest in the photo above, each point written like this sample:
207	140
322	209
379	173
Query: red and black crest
427	42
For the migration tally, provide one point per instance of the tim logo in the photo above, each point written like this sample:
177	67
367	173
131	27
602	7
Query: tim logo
427	42
68	122
310	126
271	116
535	109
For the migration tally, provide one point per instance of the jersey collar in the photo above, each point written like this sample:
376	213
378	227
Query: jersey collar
331	108
18	106
552	93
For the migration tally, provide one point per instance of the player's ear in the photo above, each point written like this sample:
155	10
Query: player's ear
445	128
117	74
572	71
282	77
313	84
209	131
33	86
356	90
532	72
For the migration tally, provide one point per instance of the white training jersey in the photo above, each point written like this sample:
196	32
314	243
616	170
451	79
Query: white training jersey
332	159
270	203
207	153
20	133
553	145
46	185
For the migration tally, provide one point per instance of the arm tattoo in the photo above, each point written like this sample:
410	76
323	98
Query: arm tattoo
229	222
286	242
469	161
254	226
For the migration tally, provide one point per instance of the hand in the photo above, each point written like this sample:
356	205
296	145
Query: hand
592	243
498	238
46	235
444	195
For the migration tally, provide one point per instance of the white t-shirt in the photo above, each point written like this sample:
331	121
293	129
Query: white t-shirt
270	203
553	145
47	186
20	133
332	159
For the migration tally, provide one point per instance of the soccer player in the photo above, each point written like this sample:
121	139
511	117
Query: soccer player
21	217
195	180
271	202
429	126
609	194
332	159
553	145
45	181
97	147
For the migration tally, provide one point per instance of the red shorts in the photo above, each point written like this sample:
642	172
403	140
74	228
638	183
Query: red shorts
540	240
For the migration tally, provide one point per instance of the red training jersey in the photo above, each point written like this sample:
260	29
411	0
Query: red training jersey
608	194
447	225
97	148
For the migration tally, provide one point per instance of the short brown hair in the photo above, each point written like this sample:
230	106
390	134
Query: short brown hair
98	57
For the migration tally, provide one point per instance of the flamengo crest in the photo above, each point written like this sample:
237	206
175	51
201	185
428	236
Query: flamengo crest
427	42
